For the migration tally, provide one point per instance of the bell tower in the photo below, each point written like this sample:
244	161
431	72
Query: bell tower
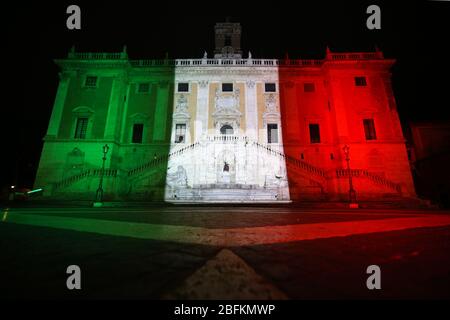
227	40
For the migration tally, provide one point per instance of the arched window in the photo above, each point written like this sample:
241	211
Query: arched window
226	129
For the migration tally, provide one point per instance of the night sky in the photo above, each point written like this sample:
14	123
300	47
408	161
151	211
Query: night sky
414	33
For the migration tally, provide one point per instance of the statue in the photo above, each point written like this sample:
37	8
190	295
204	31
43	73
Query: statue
182	104
271	103
228	102
205	55
177	179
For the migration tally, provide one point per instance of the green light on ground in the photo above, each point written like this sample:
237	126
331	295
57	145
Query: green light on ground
5	215
34	191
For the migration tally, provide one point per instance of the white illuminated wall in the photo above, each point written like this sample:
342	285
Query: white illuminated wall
223	154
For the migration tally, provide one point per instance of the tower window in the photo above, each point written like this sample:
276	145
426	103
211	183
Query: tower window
183	87
90	81
81	128
369	129
143	87
269	87
138	130
314	133
360	81
180	133
272	133
309	87
227	87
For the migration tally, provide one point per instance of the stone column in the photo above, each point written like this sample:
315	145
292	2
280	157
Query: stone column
251	110
290	109
162	104
336	90
125	115
251	115
201	121
112	119
58	105
392	107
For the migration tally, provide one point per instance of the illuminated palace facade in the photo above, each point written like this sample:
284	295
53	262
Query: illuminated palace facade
225	128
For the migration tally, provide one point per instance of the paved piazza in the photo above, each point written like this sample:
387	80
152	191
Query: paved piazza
201	252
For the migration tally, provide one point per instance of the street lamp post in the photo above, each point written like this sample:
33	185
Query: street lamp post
351	191
99	194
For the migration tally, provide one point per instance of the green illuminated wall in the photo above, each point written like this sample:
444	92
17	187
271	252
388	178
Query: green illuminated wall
68	167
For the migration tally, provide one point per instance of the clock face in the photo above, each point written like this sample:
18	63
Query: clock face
227	50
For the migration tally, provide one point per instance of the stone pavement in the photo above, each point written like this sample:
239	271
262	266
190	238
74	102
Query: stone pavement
224	253
240	282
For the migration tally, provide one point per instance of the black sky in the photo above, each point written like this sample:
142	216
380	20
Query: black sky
414	33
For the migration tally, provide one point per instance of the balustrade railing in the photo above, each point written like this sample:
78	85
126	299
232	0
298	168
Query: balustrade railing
291	160
97	55
227	138
356	56
225	61
87	173
162	159
339	172
372	176
256	62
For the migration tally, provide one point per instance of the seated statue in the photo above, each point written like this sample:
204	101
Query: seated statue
178	178
226	173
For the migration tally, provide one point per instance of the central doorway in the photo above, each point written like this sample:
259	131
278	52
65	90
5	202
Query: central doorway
226	129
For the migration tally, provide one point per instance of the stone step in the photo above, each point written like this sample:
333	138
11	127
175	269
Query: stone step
226	195
226	186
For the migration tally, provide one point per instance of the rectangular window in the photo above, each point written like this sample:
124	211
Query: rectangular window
270	87
360	81
309	87
81	128
138	130
183	87
227	87
369	129
91	81
143	87
272	133
314	133
180	133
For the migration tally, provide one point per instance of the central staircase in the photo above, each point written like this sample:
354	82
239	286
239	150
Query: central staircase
317	178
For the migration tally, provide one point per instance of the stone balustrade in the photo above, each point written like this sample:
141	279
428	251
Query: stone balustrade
355	56
341	173
97	55
227	138
225	62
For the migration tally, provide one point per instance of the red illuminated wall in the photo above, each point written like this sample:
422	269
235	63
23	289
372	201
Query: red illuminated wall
324	93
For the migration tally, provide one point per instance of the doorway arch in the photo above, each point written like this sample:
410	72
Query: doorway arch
226	129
